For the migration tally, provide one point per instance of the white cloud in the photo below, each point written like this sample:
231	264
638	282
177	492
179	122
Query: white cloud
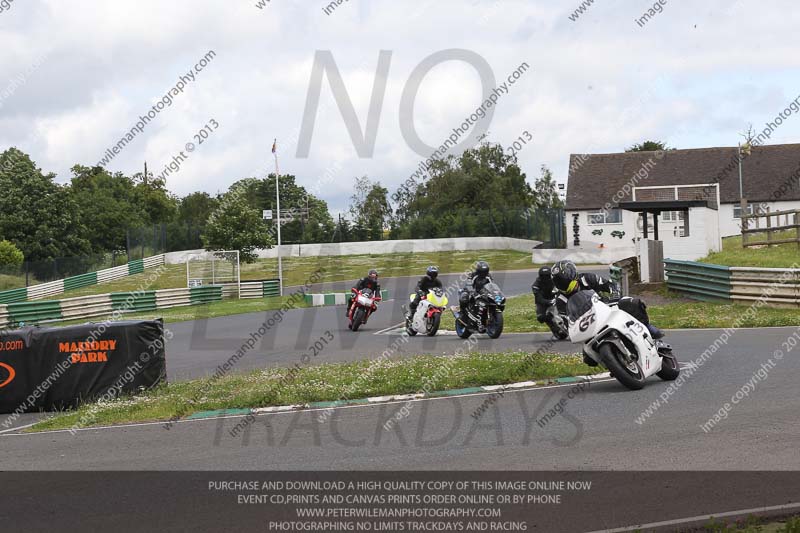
722	67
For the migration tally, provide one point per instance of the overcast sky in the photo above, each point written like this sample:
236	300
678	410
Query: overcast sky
75	77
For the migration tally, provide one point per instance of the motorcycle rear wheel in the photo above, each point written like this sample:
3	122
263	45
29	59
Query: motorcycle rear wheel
358	318
433	324
613	361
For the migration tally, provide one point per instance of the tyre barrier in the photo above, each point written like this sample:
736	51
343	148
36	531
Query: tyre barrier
105	305
335	298
52	288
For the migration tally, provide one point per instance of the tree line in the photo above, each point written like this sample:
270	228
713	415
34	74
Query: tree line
483	191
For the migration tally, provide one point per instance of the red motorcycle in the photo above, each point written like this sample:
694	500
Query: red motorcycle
364	303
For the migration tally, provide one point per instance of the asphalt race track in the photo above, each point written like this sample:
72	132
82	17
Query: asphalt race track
199	346
600	428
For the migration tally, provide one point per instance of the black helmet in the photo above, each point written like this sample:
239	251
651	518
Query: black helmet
482	268
544	272
565	276
432	271
373	274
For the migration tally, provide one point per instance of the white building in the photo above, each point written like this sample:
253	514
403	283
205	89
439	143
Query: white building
607	195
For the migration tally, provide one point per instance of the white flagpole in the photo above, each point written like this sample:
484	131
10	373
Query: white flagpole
278	222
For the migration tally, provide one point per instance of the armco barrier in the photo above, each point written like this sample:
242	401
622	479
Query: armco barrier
335	298
104	305
260	288
52	288
777	286
702	281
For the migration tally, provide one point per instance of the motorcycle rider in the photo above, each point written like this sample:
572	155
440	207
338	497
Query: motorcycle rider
543	289
476	281
368	282
429	281
568	281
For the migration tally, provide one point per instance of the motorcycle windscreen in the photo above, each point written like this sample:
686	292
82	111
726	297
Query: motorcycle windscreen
494	292
579	304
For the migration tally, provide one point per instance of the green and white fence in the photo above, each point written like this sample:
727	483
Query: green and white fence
105	305
702	281
52	288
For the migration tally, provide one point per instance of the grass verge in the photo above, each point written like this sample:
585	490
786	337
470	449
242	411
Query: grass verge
328	382
520	316
733	254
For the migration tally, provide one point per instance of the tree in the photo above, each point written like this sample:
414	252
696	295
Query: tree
370	209
649	146
39	216
112	206
10	255
481	192
311	221
195	208
236	225
545	190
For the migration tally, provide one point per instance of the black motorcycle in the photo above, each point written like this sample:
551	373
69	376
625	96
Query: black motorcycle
484	314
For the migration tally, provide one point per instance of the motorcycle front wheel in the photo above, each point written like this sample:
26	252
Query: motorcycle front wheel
495	326
630	375
358	318
433	324
461	330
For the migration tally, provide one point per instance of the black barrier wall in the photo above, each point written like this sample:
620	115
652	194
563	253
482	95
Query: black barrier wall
57	368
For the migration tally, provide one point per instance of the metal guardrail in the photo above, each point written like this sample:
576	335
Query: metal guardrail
703	281
106	304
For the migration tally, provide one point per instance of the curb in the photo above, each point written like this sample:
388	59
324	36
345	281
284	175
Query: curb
395	397
334	298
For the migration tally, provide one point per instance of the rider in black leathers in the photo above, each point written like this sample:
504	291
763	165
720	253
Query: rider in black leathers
543	292
477	280
429	281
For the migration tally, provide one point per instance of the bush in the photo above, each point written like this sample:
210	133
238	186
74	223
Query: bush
10	255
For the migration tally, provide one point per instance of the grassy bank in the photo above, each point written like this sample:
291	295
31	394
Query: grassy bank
328	382
733	254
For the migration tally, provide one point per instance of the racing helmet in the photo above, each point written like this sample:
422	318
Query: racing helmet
432	271
373	274
565	277
482	268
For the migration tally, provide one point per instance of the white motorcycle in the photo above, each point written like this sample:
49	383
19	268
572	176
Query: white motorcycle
428	314
618	341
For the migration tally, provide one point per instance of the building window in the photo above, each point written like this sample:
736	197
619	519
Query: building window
612	216
673	216
737	210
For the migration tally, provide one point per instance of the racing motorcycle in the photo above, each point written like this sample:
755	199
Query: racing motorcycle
484	314
428	315
615	339
364	304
